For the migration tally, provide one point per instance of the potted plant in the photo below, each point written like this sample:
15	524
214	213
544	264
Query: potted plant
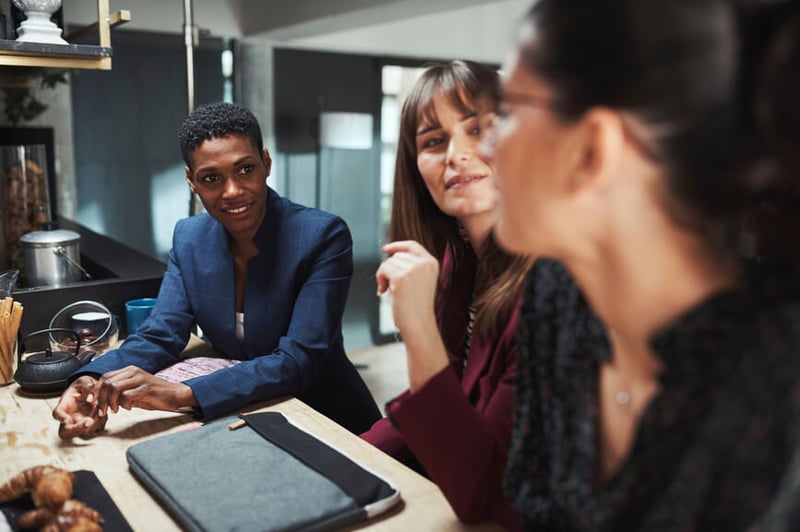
21	102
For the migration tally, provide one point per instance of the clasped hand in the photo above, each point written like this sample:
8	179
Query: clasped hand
83	407
411	274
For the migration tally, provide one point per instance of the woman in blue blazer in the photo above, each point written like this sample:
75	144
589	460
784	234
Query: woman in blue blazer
264	278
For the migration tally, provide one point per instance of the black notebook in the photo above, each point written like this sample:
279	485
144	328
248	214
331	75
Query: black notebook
266	475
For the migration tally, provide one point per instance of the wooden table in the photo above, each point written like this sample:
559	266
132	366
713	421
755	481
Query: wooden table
29	436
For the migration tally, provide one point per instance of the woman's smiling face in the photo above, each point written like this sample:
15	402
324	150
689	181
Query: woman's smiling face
229	175
459	180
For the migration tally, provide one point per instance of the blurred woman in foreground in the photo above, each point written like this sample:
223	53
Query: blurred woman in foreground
633	137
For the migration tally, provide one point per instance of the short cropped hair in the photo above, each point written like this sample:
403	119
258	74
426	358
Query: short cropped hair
216	120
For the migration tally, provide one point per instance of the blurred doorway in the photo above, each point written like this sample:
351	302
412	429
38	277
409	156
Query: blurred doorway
396	82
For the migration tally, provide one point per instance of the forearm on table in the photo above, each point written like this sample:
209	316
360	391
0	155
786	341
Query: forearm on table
150	361
386	438
185	396
260	379
435	422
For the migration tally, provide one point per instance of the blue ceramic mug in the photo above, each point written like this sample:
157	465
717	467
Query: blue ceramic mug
137	311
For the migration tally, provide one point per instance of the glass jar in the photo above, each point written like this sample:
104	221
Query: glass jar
24	198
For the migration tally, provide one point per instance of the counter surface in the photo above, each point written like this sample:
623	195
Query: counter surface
29	436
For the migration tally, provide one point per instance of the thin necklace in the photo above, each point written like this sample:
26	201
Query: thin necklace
623	398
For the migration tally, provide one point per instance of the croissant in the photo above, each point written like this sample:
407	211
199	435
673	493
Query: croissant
49	486
81	524
73	516
76	509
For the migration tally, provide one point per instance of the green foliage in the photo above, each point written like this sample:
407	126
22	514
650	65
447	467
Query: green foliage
22	104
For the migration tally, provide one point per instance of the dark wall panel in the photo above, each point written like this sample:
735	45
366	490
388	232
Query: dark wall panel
307	83
125	129
342	181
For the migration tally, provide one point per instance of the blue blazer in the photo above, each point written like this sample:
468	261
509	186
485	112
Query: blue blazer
295	296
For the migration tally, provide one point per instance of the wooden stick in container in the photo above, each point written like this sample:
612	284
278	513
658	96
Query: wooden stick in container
5	321
6	306
10	319
6	348
5	351
16	318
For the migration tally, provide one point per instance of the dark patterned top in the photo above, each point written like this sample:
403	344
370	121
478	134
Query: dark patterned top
716	449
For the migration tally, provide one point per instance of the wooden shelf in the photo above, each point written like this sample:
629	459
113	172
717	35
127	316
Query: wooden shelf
68	56
28	54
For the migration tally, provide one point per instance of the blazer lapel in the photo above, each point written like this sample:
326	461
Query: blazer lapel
222	291
261	269
454	335
480	351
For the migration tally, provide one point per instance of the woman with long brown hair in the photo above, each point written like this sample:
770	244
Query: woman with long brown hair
454	295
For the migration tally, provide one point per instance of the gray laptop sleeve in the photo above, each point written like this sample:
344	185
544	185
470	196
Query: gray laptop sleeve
266	475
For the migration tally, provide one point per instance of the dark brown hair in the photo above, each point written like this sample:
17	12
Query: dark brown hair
466	86
716	81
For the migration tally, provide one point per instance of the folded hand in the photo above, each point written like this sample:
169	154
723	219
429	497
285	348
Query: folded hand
77	412
133	387
411	274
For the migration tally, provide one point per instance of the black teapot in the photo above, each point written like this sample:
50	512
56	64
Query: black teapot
48	370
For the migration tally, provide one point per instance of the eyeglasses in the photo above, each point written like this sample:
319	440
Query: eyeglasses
633	133
638	138
519	99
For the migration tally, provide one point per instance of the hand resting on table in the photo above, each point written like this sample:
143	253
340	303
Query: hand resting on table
83	408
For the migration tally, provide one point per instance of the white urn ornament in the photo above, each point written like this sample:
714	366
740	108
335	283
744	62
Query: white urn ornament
37	26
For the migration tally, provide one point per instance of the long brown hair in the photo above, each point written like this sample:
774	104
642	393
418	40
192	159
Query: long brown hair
415	216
